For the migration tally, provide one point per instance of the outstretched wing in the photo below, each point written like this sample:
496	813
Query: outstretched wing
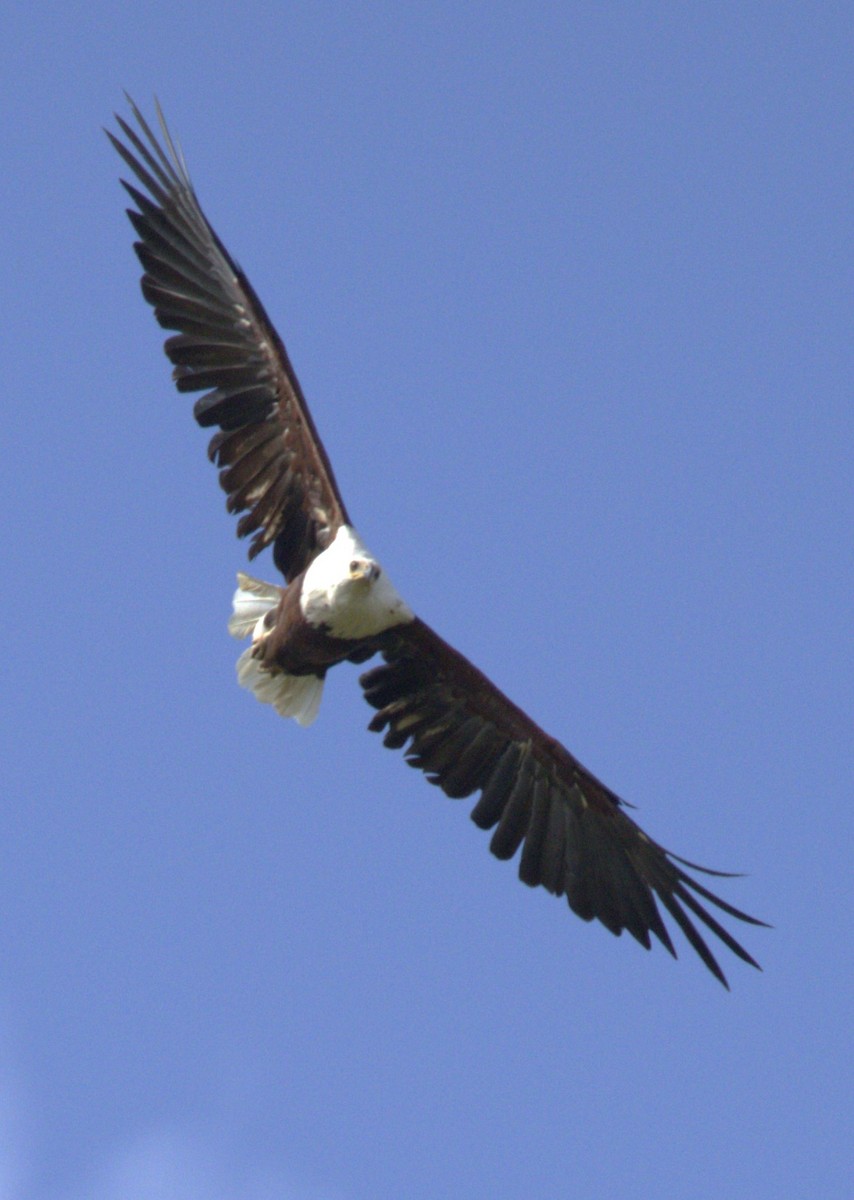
576	838
272	463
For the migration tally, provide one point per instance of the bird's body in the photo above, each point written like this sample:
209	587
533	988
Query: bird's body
334	610
338	604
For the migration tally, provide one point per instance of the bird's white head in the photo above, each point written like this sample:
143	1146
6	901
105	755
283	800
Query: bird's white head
346	590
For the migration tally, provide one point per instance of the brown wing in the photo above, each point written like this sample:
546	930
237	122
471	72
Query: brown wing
577	840
273	465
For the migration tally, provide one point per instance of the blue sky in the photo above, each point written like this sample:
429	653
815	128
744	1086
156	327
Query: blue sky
569	288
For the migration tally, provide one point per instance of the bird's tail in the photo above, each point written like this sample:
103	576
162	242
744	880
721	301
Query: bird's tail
296	696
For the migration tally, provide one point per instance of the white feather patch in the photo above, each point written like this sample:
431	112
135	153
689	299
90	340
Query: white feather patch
251	603
296	696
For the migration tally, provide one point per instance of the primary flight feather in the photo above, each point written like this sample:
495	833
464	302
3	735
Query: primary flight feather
339	604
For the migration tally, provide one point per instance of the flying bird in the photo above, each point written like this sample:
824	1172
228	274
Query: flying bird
338	603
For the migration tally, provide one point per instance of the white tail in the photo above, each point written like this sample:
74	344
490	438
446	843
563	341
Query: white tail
296	696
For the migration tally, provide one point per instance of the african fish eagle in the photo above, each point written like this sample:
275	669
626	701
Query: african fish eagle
339	604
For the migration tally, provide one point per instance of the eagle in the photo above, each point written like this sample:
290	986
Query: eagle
338	603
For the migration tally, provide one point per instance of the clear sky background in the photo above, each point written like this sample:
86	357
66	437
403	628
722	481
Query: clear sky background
569	288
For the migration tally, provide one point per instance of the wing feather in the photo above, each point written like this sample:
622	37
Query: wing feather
513	822
575	836
226	347
496	790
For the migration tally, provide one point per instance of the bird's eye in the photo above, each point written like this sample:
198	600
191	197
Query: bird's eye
354	566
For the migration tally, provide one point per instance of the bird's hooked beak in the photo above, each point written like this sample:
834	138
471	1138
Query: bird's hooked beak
364	569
